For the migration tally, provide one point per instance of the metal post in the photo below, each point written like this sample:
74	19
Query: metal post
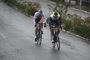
80	4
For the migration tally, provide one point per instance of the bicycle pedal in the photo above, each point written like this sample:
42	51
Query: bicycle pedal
52	41
35	39
42	32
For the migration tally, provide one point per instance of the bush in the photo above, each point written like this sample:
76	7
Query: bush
29	8
78	26
15	4
67	25
87	22
83	31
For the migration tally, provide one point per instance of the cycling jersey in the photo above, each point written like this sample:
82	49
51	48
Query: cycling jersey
55	20
38	17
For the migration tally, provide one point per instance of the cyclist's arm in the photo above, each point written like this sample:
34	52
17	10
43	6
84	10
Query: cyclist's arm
60	22
44	20
34	18
51	22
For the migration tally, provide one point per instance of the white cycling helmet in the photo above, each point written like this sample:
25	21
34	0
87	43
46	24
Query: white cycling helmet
40	11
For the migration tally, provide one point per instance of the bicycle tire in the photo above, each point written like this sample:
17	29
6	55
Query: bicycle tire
39	41
58	44
53	44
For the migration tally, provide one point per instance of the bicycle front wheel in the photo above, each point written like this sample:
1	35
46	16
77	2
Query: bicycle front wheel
39	41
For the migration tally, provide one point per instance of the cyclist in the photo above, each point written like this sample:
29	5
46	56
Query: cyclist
39	19
55	20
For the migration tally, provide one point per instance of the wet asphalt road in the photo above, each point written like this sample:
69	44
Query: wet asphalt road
17	40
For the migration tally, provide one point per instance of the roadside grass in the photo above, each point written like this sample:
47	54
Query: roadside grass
28	8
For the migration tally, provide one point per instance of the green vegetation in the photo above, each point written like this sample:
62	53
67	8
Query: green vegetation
15	4
78	26
29	8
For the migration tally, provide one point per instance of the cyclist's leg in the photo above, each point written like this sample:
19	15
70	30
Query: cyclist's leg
51	32
36	29
52	35
58	41
41	27
36	33
58	31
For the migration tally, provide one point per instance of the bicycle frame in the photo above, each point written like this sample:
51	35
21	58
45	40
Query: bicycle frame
55	32
56	37
39	33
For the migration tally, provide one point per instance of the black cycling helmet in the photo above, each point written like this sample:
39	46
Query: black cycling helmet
55	14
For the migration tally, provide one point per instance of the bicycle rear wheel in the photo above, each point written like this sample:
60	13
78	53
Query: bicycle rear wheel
39	41
53	44
58	44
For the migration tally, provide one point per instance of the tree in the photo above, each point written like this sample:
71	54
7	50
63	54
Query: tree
69	2
60	8
77	2
59	1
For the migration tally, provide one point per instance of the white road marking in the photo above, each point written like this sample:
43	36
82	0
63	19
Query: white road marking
2	35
